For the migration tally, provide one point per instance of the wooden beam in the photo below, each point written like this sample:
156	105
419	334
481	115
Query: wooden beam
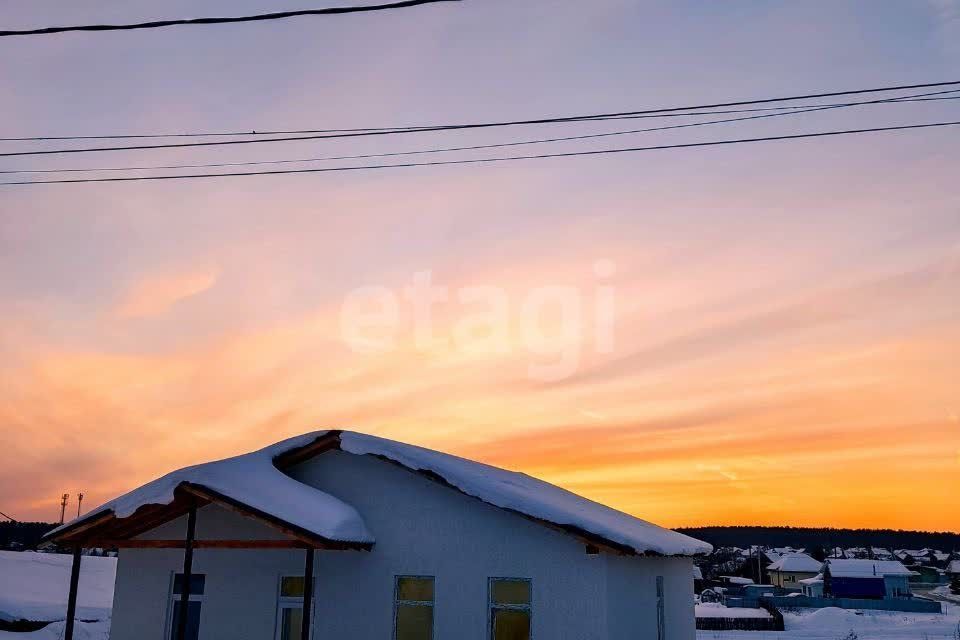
74	531
310	539
326	442
307	595
152	516
72	596
187	573
204	544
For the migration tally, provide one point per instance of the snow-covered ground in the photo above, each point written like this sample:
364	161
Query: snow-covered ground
54	631
943	593
837	624
34	586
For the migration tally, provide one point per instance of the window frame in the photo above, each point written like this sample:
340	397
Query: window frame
491	605
397	602
291	602
173	599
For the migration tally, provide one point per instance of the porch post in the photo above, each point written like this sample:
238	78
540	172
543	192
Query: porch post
187	572
307	595
72	597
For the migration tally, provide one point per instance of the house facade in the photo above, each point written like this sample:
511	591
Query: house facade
861	579
443	561
790	570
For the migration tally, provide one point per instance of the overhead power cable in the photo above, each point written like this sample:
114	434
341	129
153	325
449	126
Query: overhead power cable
280	15
483	125
226	134
689	145
466	148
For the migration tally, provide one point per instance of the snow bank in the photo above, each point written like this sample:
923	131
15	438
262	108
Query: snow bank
34	586
252	479
99	630
872	625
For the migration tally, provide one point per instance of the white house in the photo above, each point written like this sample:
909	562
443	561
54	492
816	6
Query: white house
343	536
789	570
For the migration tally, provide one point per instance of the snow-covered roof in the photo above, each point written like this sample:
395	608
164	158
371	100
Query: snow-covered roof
796	562
255	481
817	579
737	580
867	568
954	566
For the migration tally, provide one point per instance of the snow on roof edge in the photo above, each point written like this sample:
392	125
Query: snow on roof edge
529	496
241	478
252	480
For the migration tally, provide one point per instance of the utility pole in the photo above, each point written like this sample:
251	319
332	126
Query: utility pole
63	505
79	502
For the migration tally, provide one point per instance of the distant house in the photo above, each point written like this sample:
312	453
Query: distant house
772	556
871	553
788	571
953	569
871	579
925	575
348	536
812	587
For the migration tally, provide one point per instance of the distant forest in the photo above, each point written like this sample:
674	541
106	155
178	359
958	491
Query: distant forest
28	534
809	537
22	534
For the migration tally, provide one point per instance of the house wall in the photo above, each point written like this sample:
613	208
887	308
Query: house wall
422	528
897	586
790	579
631	598
241	585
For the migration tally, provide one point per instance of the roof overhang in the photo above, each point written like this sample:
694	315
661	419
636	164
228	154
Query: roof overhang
105	529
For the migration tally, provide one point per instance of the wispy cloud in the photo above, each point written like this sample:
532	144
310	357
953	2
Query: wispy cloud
155	294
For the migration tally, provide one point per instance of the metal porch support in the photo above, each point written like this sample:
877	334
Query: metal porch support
187	572
307	595
72	597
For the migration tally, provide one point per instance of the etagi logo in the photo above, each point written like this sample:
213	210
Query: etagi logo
550	325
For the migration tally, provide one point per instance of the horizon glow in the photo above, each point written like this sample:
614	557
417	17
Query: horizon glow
785	348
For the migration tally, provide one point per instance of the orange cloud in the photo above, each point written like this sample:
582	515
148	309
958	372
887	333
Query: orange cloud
157	293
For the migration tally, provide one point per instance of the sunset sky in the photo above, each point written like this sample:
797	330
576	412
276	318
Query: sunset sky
786	338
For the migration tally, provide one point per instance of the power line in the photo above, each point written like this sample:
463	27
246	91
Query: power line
478	147
819	134
195	21
482	125
7	517
214	134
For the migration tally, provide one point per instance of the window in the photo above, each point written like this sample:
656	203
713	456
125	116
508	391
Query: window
510	608
661	614
290	608
413	608
175	610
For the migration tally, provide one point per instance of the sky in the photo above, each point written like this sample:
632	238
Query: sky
754	334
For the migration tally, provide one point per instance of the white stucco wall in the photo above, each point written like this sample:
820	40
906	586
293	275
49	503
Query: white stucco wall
422	528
